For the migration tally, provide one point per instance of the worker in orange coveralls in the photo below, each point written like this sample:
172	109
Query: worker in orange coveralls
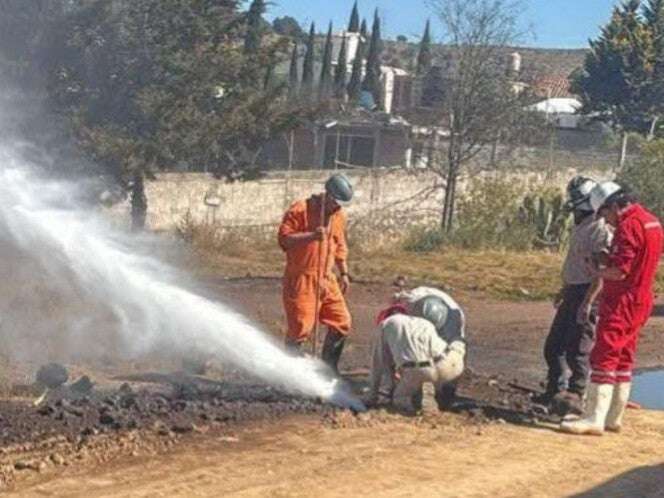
312	234
625	306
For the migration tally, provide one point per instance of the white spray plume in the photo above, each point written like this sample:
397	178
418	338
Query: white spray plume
76	249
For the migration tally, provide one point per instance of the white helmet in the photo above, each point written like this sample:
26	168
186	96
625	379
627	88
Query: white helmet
601	193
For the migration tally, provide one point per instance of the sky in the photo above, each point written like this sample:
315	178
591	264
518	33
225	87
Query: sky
553	23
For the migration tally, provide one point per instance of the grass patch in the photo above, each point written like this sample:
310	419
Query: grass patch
235	259
501	274
507	275
228	253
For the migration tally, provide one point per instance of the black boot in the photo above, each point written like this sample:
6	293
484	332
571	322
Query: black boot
566	403
545	398
446	395
294	347
332	348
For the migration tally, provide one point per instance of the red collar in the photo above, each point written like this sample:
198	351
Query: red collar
628	212
394	309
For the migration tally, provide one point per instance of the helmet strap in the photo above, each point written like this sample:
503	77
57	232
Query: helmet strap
581	215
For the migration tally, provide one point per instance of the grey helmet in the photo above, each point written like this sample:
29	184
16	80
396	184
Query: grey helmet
433	309
578	194
338	187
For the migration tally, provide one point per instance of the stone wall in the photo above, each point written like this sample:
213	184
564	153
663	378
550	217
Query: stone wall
388	201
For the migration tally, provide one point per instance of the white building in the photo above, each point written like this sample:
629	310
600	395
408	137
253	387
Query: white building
562	111
352	44
389	74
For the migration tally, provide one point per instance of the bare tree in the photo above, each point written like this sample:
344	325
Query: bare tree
479	100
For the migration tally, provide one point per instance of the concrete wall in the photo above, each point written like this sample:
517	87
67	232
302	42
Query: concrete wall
387	204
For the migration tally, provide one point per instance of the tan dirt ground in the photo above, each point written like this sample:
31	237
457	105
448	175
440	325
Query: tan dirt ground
440	456
387	455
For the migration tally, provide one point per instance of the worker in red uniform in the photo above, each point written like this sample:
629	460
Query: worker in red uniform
312	234
625	306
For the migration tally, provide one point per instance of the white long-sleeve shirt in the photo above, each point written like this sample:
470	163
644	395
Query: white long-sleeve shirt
401	339
411	339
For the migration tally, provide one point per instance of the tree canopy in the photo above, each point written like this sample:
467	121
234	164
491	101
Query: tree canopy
170	84
165	83
622	81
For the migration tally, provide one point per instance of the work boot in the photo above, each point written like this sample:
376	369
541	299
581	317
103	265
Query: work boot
597	408
332	348
409	405
618	406
446	395
567	403
294	347
545	398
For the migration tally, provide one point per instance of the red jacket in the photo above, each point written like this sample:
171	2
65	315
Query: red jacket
636	251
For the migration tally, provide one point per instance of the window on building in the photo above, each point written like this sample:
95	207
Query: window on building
356	150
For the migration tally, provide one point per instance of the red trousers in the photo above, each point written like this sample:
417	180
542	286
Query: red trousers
620	321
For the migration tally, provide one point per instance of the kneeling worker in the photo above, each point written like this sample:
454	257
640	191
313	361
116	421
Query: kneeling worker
409	349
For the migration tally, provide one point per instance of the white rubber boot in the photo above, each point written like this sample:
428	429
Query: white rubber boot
618	405
599	403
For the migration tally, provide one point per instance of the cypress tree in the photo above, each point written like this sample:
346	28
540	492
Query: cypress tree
364	30
371	81
325	83
308	66
254	35
293	77
340	73
355	84
354	23
424	56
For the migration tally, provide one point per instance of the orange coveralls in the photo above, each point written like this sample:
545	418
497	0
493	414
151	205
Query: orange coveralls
302	261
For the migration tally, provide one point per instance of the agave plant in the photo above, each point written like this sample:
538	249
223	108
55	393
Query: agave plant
548	218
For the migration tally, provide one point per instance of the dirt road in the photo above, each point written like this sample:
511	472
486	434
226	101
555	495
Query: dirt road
382	455
442	455
505	338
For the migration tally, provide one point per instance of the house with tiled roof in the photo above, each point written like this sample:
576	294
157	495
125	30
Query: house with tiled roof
553	86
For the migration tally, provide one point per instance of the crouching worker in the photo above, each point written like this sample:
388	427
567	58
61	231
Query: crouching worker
411	349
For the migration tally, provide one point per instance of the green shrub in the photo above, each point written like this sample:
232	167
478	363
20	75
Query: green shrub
424	240
646	177
545	215
496	213
486	216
